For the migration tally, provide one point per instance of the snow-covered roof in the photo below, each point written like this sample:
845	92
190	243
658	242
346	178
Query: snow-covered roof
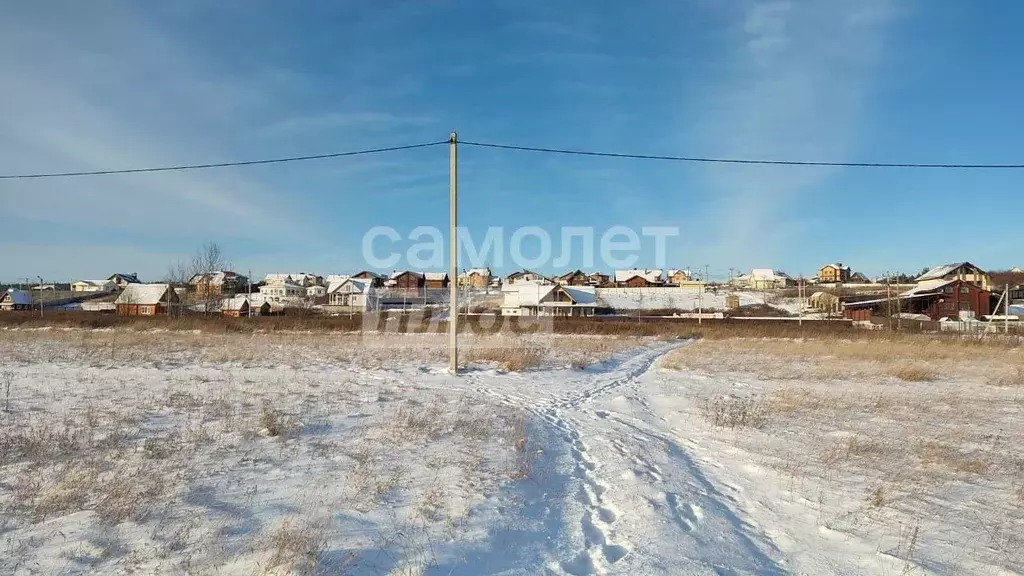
277	278
436	276
927	286
147	294
535	294
18	297
836	265
945	270
93	282
336	278
672	272
354	284
768	274
236	303
478	272
649	274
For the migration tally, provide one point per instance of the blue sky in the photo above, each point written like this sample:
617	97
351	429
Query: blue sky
96	85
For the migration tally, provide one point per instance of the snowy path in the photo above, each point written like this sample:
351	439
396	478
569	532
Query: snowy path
637	500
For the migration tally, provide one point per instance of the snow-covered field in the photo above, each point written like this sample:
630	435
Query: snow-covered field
670	299
164	452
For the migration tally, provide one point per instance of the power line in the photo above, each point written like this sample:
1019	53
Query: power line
220	164
739	160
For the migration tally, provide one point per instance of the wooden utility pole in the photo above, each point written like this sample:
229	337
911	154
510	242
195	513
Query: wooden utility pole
453	253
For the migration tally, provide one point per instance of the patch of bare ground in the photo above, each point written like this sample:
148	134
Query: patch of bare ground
922	427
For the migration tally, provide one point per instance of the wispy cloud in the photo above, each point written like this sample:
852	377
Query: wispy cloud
800	75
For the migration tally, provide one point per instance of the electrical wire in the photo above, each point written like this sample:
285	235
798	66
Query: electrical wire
739	160
220	164
563	151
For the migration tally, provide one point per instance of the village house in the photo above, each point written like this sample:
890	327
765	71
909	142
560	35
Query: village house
957	271
352	294
283	292
858	278
526	276
147	300
241	307
475	278
574	278
536	299
435	280
93	286
14	299
376	279
638	278
408	282
679	277
597	279
769	279
316	291
833	273
935	299
220	283
122	280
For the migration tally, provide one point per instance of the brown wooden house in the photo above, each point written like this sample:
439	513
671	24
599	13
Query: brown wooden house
241	307
937	300
148	300
375	280
574	278
597	279
435	280
407	281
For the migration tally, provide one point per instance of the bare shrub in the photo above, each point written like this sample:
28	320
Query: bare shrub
732	412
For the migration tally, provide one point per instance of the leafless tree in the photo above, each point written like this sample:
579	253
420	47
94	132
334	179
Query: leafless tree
195	275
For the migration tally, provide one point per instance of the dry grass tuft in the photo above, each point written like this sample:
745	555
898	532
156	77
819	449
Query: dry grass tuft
913	373
1011	377
276	423
732	412
298	547
936	453
513	355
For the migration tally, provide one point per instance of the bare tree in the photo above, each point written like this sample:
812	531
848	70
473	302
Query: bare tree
209	260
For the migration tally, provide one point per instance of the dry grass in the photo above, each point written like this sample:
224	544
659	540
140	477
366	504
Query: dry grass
512	355
731	412
298	546
913	373
912	423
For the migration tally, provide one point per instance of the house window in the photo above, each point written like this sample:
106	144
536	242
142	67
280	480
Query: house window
965	290
965	305
948	289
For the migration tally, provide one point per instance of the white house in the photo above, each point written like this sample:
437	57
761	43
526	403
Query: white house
537	299
283	292
768	279
352	293
526	276
93	286
316	291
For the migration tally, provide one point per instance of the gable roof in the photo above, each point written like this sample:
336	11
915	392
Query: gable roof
652	275
836	265
947	269
353	284
146	294
93	282
478	272
436	276
17	297
130	278
236	303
